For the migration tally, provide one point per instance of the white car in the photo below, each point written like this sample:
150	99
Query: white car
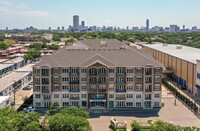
29	109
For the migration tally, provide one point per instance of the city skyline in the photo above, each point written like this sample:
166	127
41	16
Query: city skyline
20	14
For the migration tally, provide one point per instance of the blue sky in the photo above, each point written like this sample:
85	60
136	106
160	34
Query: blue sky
54	13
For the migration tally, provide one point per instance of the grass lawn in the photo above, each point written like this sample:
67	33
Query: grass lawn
118	130
145	129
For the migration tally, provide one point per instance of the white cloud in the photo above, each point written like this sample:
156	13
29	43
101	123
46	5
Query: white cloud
35	13
5	3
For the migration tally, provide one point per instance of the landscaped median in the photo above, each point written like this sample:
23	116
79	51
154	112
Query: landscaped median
183	98
152	125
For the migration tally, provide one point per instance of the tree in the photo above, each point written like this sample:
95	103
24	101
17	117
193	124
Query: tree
53	47
70	40
75	111
3	46
36	46
32	55
56	37
136	126
44	41
9	42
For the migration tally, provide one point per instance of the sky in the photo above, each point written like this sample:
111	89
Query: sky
53	13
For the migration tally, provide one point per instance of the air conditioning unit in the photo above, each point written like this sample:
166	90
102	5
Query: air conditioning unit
178	47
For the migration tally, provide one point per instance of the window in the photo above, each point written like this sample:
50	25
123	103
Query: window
156	95
65	87
120	103
138	96
56	79
83	79
56	95
156	103
138	78
65	95
83	87
129	70
138	87
111	95
139	71
56	88
65	104
157	71
65	79
138	104
129	104
37	80
45	72
55	70
129	95
111	87
37	96
157	78
65	70
74	70
111	70
111	78
36	71
37	88
120	70
129	79
37	104
198	75
157	87
83	70
84	104
129	87
83	96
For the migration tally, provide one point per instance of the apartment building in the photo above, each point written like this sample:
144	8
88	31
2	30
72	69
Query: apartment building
182	61
98	74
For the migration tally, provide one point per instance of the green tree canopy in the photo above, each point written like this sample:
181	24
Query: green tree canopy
32	54
56	37
3	46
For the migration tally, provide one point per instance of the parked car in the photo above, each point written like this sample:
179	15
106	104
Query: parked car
29	109
28	87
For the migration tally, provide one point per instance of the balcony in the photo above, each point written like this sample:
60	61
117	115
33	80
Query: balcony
45	74
75	90
121	74
47	98
93	82
97	98
147	98
101	74
74	73
148	81
93	73
74	82
120	98
74	98
148	90
102	90
93	90
148	73
102	82
120	82
45	83
45	91
120	90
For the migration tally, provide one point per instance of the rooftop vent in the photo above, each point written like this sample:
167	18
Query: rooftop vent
179	47
103	43
165	44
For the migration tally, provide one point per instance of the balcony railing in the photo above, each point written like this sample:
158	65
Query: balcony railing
93	73
120	82
148	81
121	74
76	90
74	82
147	98
101	74
148	72
120	90
148	90
97	98
74	73
120	98
93	90
102	90
45	83
102	82
45	91
93	82
47	98
74	98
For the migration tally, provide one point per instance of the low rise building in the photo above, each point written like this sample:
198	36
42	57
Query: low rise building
183	60
98	74
5	101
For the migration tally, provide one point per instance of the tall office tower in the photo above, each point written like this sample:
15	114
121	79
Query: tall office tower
147	25
75	22
49	28
6	28
82	23
63	28
58	28
183	27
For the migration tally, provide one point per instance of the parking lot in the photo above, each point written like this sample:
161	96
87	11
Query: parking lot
179	115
